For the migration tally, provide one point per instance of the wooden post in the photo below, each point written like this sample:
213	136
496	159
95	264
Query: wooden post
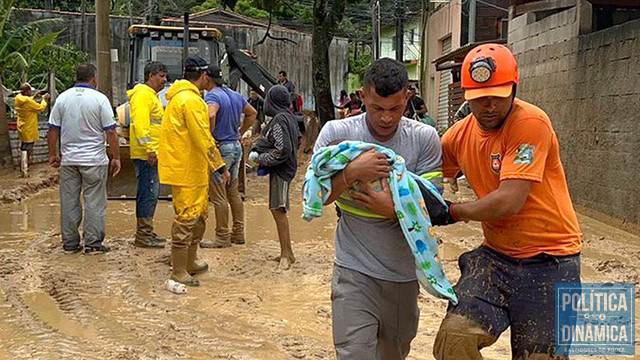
103	48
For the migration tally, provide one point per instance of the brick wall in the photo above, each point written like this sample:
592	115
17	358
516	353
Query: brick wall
590	86
487	18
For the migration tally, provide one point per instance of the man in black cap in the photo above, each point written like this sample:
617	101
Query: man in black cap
225	115
185	160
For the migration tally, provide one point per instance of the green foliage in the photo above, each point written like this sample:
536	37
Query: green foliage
254	8
359	65
67	57
208	4
65	5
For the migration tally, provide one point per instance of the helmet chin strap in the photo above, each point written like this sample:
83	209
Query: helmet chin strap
513	98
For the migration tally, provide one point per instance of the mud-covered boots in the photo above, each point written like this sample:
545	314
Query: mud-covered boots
181	237
179	272
195	265
145	237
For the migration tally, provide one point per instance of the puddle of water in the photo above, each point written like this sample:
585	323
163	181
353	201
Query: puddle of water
42	213
47	310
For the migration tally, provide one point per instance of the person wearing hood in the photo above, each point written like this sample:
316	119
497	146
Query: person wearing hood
27	109
186	153
276	151
146	118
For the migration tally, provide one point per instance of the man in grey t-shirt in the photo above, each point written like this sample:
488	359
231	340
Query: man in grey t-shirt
374	288
82	118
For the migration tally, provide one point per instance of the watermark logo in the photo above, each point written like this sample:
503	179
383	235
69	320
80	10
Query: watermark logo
595	319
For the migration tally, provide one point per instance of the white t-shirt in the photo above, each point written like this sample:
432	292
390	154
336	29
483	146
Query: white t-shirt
83	114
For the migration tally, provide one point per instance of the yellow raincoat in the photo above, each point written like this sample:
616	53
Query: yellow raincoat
187	151
27	110
145	109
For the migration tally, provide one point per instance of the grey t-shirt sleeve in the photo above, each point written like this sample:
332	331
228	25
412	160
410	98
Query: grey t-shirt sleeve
430	157
107	120
328	134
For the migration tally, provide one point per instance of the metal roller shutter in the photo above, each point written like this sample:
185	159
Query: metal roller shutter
443	94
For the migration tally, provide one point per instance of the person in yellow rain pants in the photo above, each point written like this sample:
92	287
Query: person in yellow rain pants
186	153
146	118
27	109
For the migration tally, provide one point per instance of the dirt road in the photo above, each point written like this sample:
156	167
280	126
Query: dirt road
58	306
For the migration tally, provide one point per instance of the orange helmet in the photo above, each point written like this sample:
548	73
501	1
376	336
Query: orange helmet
489	70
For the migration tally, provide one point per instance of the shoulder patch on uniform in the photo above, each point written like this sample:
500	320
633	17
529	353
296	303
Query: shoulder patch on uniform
524	155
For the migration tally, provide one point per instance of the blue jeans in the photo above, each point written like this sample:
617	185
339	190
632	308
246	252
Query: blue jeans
148	188
231	154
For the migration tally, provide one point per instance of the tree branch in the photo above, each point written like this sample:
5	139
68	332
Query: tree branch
267	34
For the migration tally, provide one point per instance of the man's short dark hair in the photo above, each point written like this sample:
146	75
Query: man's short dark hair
387	76
153	68
85	72
193	74
283	73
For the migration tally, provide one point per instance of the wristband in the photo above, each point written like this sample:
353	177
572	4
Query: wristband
455	218
221	170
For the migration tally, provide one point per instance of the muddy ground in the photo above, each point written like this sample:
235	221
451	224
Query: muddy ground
113	306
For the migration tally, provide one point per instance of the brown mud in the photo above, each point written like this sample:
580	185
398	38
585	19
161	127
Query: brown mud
113	306
14	188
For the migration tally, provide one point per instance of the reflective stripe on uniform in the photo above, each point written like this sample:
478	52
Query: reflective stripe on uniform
156	121
436	178
432	175
144	140
359	212
127	115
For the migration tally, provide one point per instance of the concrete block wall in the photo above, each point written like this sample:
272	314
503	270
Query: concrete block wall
590	87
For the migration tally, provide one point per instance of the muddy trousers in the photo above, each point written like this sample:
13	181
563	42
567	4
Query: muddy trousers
372	319
91	183
495	292
191	205
225	196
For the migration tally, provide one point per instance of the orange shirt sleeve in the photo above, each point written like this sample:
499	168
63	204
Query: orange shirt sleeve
526	150
450	165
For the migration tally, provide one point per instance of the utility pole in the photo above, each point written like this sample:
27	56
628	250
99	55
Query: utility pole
83	27
376	30
185	40
103	48
472	21
130	13
400	13
428	94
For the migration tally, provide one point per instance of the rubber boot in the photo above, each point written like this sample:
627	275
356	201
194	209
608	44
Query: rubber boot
195	265
24	163
158	238
237	212
144	234
181	237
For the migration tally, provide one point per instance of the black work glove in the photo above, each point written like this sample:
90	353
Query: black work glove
438	212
